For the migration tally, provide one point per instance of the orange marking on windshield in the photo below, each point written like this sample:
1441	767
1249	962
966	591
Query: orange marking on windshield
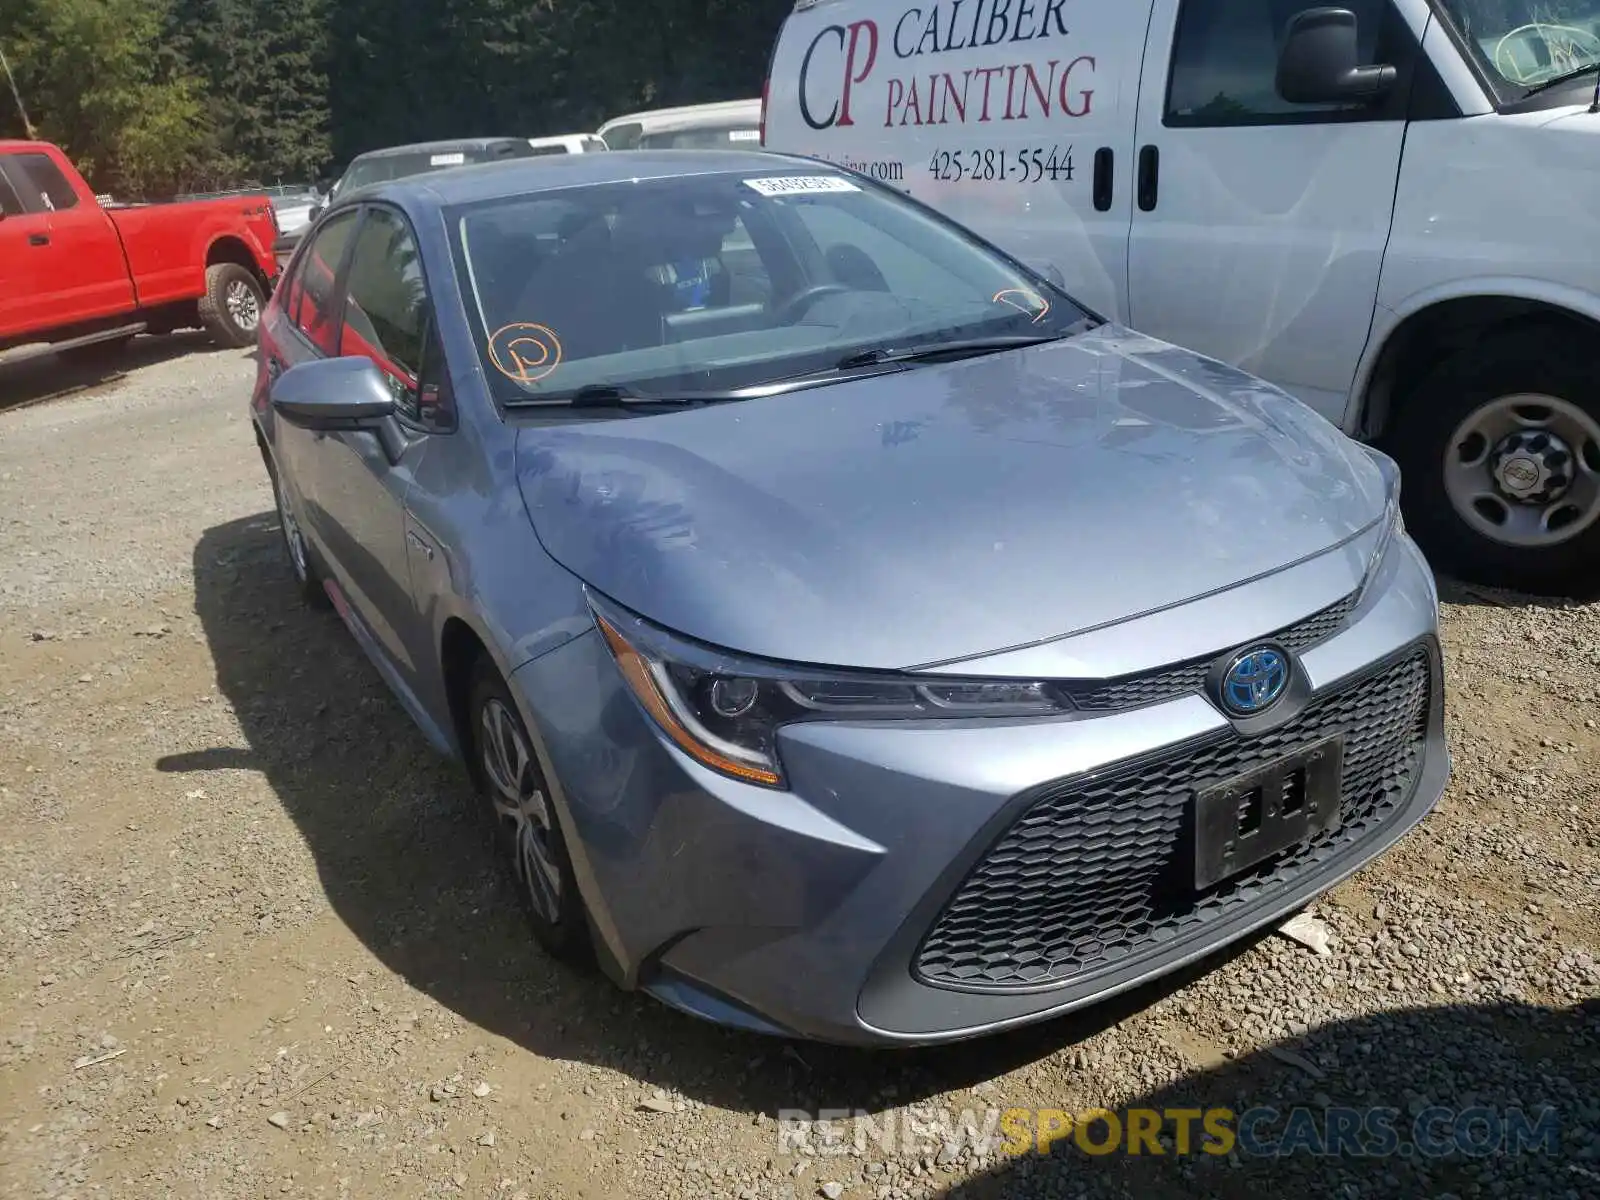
1039	307
525	352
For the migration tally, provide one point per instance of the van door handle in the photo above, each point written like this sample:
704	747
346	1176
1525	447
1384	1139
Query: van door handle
1105	160
1149	177
38	239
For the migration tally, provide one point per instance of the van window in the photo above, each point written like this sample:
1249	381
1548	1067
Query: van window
1225	60
1522	50
863	255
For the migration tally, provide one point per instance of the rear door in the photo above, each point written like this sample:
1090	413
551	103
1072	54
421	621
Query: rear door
86	275
1260	227
1016	119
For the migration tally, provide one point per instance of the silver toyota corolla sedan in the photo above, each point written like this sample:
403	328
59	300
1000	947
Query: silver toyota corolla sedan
851	636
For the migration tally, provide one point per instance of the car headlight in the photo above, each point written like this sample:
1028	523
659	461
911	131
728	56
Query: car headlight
725	712
1393	524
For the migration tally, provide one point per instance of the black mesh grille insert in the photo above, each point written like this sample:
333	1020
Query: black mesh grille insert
1103	867
1135	691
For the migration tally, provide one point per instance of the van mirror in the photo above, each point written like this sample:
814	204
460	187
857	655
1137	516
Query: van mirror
1319	63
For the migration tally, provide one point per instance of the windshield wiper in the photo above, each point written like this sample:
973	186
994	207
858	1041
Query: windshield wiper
930	351
1557	81
612	395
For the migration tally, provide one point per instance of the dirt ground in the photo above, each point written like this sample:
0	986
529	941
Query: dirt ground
252	942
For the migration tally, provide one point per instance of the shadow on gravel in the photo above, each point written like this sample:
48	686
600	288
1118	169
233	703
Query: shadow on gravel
1497	1100
407	865
53	378
1452	591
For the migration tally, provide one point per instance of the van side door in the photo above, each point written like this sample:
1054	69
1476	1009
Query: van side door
1015	119
1260	225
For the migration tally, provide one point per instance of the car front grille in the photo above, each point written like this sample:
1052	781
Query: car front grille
1168	683
1102	867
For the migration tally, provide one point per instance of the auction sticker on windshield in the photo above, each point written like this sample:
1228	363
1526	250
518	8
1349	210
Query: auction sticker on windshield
790	185
447	160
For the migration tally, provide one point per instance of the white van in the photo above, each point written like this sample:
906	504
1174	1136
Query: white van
568	143
1390	209
723	125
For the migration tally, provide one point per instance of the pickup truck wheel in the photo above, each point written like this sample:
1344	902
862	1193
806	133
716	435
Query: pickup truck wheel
231	308
1500	453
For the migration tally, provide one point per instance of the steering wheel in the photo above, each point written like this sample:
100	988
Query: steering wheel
792	309
1565	51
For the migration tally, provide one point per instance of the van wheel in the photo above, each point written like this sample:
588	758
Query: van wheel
528	835
1500	452
231	308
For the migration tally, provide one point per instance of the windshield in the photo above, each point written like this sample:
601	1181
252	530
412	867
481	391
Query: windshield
1524	43
722	281
702	137
398	166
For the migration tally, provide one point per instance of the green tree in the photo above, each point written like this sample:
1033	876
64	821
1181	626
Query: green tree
95	82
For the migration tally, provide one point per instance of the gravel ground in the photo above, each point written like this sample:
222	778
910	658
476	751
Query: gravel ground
251	942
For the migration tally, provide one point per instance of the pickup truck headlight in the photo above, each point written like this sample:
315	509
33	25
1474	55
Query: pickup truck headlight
725	712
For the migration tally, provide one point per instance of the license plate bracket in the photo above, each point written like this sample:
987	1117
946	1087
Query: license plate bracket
1279	804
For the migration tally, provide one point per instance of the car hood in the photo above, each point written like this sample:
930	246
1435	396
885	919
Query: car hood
948	511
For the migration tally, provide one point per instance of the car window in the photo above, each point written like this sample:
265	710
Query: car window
1522	47
385	316
624	137
1225	60
10	203
703	137
312	302
716	280
42	184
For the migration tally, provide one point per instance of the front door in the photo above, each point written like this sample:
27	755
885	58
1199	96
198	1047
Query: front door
24	246
1260	225
359	486
82	254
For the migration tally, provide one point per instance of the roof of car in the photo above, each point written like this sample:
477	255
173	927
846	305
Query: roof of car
429	147
688	112
526	176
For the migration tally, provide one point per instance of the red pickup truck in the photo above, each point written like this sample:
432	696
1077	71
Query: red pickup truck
77	277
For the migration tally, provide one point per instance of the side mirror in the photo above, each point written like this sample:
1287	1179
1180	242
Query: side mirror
333	394
315	211
1048	270
1319	63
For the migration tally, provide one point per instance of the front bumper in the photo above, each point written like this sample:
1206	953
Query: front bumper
853	909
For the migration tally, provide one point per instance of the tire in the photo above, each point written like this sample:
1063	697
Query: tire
306	579
231	308
1460	440
527	828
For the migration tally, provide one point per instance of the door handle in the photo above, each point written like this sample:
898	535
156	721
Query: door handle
1149	177
274	369
38	239
1105	160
